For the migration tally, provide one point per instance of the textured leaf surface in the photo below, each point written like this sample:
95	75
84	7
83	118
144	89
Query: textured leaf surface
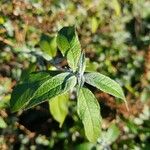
33	92
48	45
59	107
23	92
81	63
89	112
69	45
81	69
105	84
40	75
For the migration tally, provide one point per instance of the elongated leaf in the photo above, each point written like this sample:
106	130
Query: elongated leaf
48	45
29	94
89	112
26	88
105	84
52	87
69	45
81	69
81	63
59	107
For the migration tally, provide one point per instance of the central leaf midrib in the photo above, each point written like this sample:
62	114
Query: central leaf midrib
48	92
110	88
72	47
32	104
102	85
33	94
32	97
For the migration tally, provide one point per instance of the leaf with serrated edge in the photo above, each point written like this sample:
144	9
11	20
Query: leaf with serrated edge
69	45
59	107
89	112
30	94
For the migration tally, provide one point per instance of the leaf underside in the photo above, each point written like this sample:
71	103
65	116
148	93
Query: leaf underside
105	84
59	107
89	112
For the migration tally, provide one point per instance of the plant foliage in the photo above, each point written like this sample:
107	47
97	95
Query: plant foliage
50	85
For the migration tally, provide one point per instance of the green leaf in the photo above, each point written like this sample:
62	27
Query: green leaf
89	112
81	69
112	134
39	76
2	123
33	92
26	88
59	107
105	84
48	45
81	63
69	45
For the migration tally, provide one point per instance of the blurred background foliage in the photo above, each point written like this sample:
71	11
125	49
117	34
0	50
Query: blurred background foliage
115	36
